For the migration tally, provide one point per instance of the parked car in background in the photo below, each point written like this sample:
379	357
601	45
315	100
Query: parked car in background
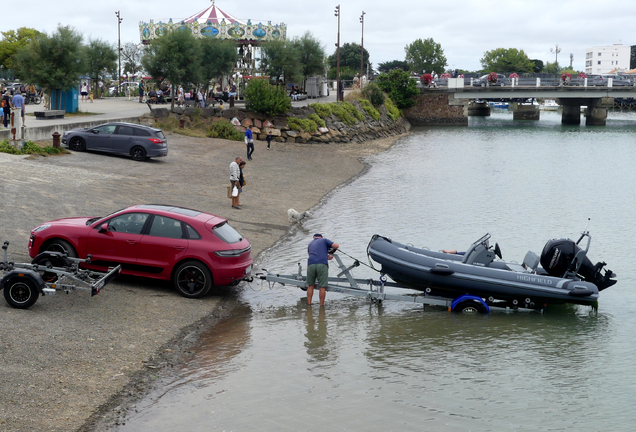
193	249
482	81
602	80
137	141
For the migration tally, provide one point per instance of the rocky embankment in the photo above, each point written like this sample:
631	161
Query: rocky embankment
283	128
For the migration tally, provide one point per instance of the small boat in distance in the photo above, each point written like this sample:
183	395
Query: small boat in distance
566	275
549	105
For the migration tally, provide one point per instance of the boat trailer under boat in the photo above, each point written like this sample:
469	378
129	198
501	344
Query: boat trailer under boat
473	282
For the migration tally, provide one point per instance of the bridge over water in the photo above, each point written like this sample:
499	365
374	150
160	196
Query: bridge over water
454	103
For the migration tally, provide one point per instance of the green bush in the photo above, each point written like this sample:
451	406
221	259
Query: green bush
322	109
351	109
391	110
374	94
306	125
5	147
224	130
52	150
30	147
368	107
320	122
342	113
263	97
400	87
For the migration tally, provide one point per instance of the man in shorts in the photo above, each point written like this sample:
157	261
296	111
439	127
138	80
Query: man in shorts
320	252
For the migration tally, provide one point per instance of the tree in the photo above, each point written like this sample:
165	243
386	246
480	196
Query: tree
349	58
538	65
311	55
281	61
263	97
506	60
100	57
552	68
217	59
132	54
13	41
400	87
54	62
425	55
393	64
632	58
174	57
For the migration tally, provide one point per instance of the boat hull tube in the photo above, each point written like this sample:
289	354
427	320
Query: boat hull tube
478	273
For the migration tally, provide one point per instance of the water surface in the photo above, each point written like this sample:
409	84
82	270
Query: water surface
353	365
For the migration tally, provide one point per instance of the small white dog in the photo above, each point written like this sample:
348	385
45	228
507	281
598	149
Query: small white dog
297	217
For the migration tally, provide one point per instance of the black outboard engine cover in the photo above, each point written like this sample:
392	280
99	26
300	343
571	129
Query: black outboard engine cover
557	258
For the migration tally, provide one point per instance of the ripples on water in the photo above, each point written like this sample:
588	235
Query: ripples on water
278	365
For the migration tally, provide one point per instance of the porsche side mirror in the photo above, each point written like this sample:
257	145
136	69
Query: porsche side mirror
103	228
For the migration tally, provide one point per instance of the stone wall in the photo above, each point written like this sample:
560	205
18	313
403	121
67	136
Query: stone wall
435	110
334	130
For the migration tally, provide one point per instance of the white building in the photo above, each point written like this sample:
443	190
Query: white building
602	60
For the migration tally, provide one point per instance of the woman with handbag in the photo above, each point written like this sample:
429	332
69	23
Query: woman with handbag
241	181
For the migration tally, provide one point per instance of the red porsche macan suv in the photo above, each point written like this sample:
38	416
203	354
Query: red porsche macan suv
193	249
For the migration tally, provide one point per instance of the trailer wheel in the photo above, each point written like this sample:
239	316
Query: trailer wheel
20	293
470	307
192	279
59	245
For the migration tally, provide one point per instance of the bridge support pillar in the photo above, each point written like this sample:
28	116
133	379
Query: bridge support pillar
525	112
596	111
571	115
478	109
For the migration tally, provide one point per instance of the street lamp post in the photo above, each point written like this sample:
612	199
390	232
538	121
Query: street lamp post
362	50
119	20
337	14
556	50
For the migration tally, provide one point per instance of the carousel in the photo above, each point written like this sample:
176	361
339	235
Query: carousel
213	22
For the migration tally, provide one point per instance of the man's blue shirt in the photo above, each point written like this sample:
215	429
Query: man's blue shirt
248	134
318	251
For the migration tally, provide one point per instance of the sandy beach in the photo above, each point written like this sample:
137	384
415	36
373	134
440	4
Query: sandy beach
73	362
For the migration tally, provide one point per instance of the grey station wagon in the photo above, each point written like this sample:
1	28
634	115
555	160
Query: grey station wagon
137	141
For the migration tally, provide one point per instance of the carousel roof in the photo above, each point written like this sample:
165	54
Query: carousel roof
214	15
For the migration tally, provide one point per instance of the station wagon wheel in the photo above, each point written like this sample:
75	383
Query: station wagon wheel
77	144
192	279
138	153
20	293
62	246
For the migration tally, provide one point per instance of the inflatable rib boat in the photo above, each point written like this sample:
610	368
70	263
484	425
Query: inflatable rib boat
566	275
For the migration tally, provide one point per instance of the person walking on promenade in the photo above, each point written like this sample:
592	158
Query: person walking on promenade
320	252
249	141
6	108
241	181
84	92
235	174
269	140
18	102
142	88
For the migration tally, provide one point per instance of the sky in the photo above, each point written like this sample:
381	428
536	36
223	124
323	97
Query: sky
465	29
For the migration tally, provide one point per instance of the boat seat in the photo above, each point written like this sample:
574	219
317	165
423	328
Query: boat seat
531	261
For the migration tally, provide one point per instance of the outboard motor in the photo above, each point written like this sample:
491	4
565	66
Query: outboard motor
562	256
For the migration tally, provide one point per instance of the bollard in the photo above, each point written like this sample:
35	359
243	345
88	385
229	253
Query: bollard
231	101
56	139
181	123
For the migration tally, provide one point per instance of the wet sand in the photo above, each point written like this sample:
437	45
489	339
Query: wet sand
75	362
